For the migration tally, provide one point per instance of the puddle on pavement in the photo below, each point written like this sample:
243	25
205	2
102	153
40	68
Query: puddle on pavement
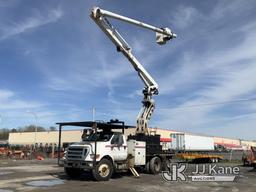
5	173
6	190
45	183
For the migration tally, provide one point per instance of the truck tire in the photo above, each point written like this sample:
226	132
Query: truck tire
73	173
155	165
103	170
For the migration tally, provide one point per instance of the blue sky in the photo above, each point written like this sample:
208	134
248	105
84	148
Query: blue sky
57	63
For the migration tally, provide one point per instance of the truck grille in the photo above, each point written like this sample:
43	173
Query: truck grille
76	153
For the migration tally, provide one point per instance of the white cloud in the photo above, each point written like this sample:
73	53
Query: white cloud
8	101
209	76
214	71
218	73
185	16
29	23
5	94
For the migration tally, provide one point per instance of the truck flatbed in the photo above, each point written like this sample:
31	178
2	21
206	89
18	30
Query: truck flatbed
199	156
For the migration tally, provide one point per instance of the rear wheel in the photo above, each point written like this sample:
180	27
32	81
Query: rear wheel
103	170
155	165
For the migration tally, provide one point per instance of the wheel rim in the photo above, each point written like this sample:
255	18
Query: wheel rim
157	166
104	170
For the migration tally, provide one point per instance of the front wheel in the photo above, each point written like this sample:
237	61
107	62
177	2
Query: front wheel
103	170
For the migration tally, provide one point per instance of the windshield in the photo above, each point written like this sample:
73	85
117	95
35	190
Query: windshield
100	136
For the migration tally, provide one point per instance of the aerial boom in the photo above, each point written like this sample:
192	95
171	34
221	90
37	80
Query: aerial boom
151	87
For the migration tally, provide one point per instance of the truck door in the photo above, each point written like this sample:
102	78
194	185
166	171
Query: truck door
119	147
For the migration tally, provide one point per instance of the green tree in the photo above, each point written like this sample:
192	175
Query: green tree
13	130
4	134
32	128
52	128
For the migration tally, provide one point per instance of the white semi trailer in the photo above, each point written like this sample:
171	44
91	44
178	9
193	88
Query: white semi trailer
194	147
190	142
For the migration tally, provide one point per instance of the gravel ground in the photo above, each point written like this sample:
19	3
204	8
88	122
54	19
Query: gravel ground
32	175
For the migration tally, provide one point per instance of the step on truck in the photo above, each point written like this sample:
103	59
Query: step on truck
105	150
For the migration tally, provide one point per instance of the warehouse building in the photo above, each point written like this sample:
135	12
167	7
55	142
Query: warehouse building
47	137
69	136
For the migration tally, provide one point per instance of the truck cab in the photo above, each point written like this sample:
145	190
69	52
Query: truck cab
102	150
111	145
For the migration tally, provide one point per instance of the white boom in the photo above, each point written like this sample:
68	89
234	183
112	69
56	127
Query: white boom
151	87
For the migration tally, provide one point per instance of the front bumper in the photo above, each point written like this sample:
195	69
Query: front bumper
87	165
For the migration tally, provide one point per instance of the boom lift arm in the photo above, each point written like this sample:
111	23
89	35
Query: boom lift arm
151	87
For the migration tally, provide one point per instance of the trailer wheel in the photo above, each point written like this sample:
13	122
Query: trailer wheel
212	160
155	165
73	173
103	170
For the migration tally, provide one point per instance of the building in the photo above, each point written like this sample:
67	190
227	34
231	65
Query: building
47	137
68	136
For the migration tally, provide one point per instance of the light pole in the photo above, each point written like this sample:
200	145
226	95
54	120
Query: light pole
36	120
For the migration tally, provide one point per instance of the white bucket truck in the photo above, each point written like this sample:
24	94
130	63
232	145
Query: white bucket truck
107	150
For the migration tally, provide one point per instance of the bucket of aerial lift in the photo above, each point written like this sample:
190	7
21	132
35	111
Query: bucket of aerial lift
161	38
